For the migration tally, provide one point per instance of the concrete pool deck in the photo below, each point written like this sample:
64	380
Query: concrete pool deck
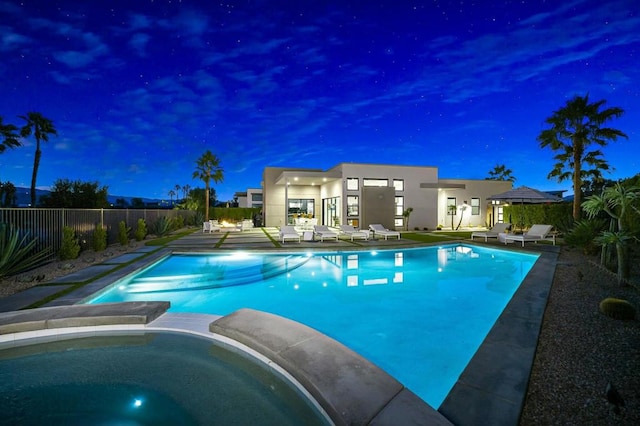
491	389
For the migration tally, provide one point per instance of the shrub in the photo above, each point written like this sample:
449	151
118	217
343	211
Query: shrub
70	248
18	252
123	234
583	234
99	238
161	227
141	230
617	309
178	222
197	219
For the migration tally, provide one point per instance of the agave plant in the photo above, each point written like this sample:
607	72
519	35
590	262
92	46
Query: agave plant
161	227
18	251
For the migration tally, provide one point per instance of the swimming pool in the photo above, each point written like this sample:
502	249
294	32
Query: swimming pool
420	314
109	379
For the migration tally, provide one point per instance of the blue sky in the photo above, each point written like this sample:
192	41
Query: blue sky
138	90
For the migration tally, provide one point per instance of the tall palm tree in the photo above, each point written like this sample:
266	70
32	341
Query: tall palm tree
573	128
41	127
500	172
185	191
207	169
171	194
8	136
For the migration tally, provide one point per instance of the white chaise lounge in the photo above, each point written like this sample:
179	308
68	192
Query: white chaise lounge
378	229
498	228
288	232
352	232
324	232
535	233
210	226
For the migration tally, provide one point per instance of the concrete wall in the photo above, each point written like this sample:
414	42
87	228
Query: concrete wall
423	191
474	188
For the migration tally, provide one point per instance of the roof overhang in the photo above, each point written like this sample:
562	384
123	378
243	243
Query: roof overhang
443	185
307	177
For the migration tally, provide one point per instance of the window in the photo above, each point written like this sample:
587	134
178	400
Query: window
300	208
353	222
475	206
256	197
399	223
375	182
352	184
399	206
398	184
352	205
451	211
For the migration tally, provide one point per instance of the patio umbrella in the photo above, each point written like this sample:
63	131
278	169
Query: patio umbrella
525	195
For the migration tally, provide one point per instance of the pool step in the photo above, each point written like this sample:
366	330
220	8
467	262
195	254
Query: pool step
219	276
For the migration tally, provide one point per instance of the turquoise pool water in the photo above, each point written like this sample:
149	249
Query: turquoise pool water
420	314
109	380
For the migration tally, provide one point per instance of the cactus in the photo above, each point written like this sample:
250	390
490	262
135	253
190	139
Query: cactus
99	241
70	248
617	309
141	230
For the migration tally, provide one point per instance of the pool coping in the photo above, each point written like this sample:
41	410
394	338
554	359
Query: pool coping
493	386
344	387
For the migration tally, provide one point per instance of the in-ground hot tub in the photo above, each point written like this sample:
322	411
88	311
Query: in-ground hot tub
143	378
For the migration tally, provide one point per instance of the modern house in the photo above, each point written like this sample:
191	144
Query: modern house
252	198
362	194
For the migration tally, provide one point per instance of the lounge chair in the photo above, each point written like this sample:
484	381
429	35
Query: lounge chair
498	228
352	232
378	229
535	233
324	232
288	232
211	225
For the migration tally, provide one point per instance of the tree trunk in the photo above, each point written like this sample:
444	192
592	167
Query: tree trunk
577	180
206	203
622	264
34	175
461	216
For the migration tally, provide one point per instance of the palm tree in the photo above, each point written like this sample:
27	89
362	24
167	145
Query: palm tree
573	128
185	191
177	188
500	172
171	194
207	169
9	136
41	128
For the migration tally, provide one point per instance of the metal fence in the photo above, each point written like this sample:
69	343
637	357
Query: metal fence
46	224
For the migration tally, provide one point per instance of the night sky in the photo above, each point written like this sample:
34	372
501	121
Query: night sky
138	90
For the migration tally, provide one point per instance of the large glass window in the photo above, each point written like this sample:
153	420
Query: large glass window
256	197
399	206
300	208
353	208
352	184
451	211
475	206
398	184
375	182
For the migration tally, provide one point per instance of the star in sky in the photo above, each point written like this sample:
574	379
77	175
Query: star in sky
139	90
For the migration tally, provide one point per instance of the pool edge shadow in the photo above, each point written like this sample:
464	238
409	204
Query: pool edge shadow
493	386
